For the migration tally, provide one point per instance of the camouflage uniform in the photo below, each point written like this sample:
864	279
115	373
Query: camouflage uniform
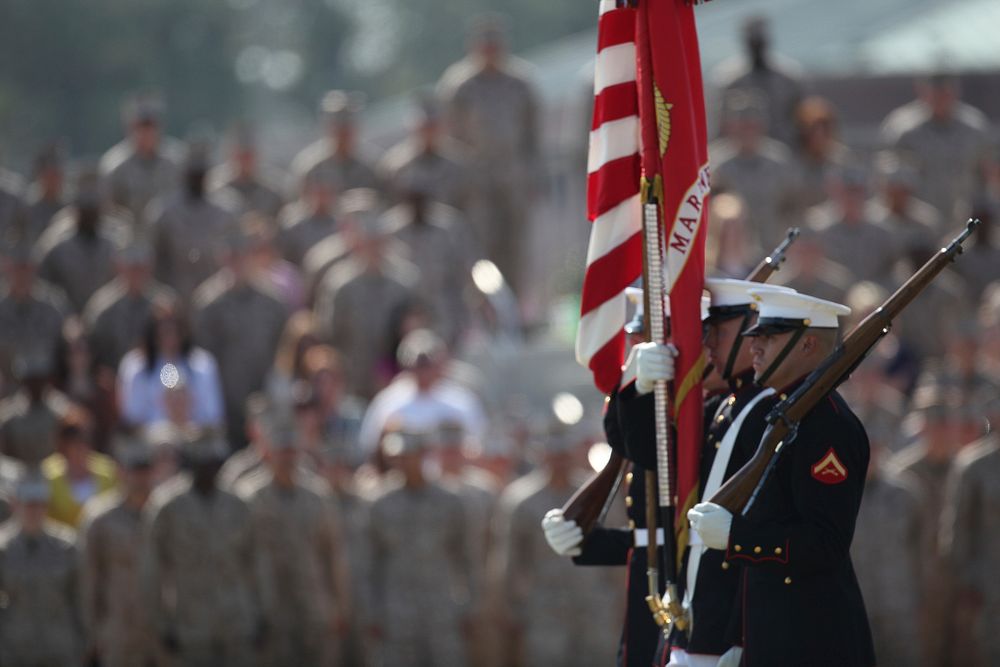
186	233
865	249
947	154
77	263
354	509
35	322
495	114
301	229
240	324
812	175
777	84
198	573
320	161
296	545
913	230
116	320
260	194
10	471
333	250
936	582
354	308
764	181
979	267
111	547
563	612
444	170
443	263
12	209
240	466
947	297
887	556
419	575
970	529
40	623
479	496
27	429
38	215
133	181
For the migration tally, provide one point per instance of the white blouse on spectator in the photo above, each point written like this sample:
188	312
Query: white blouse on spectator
402	400
141	391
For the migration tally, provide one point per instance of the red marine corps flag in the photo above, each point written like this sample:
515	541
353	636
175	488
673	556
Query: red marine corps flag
675	175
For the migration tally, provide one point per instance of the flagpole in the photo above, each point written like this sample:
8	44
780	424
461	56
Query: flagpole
659	504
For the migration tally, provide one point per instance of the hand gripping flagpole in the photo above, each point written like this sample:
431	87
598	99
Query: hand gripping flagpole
669	613
659	511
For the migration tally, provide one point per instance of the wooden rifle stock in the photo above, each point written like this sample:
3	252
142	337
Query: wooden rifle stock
590	502
588	505
739	492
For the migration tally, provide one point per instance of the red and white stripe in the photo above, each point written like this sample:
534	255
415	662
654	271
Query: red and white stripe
614	257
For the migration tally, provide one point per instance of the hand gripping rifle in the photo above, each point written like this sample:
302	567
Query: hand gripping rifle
739	493
590	503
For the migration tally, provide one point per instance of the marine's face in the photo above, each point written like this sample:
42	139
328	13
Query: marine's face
713	382
720	340
764	350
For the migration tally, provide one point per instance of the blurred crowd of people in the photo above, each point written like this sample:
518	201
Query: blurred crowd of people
235	428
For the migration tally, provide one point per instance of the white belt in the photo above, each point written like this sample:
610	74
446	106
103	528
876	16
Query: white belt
640	537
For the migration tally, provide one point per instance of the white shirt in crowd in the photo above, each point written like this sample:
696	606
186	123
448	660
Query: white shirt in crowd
401	401
141	391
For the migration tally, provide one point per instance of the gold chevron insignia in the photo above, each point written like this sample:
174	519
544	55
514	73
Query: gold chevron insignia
662	119
829	469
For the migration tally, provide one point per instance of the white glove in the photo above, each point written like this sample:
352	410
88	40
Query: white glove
564	537
712	522
731	658
653	362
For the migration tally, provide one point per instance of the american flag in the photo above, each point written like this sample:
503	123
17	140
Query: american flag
614	257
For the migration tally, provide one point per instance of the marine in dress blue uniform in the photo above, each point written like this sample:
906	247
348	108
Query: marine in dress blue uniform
606	546
800	603
711	602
